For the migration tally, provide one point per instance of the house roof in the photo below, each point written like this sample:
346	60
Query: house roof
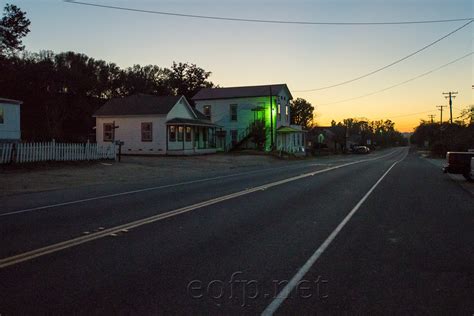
138	104
288	129
186	121
199	115
3	100
240	92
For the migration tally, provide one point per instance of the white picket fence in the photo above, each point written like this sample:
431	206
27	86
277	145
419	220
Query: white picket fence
52	151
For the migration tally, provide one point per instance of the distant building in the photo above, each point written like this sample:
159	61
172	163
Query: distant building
148	124
320	137
239	109
10	120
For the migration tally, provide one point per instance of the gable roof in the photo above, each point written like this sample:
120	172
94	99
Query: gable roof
199	115
3	100
241	92
138	104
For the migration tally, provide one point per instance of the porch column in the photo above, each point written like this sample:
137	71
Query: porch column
183	135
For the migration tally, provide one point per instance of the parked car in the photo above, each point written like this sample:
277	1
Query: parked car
460	163
360	149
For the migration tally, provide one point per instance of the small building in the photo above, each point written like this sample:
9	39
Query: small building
240	109
148	124
10	120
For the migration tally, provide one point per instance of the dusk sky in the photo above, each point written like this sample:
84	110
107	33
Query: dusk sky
303	56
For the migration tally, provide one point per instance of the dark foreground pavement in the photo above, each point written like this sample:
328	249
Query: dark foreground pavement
407	250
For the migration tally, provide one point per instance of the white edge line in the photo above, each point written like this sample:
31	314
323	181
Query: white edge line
286	291
155	188
8	261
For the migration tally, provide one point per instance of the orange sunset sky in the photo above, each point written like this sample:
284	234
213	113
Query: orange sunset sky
303	56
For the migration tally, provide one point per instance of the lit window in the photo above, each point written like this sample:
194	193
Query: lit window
172	133
147	132
188	133
180	133
286	112
279	111
108	132
207	111
233	112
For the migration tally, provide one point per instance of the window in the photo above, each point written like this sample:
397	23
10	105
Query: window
147	132
279	111
207	111
286	112
233	112
172	133
180	133
188	133
108	132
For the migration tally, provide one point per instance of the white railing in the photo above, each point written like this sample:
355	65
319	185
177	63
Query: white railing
52	151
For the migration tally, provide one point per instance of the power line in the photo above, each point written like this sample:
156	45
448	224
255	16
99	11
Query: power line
389	65
401	83
224	18
407	114
411	114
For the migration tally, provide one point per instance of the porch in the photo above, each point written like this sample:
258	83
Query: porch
190	137
290	139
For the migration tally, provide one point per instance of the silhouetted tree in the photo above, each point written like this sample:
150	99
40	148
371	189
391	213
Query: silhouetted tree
444	137
13	27
301	113
188	79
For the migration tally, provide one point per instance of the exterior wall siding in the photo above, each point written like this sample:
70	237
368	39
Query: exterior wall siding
10	128
129	132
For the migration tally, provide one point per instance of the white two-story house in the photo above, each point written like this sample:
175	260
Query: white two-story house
10	120
238	109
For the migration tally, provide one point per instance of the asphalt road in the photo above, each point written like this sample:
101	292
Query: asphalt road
382	233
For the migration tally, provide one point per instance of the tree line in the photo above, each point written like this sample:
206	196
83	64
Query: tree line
353	131
441	138
62	91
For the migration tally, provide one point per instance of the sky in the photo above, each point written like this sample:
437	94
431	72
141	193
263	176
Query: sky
302	56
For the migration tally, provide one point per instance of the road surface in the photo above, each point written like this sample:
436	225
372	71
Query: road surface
381	233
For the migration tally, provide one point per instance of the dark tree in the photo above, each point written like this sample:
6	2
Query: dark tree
301	113
188	79
148	79
13	27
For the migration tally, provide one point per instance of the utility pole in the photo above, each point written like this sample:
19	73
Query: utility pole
431	116
441	107
450	95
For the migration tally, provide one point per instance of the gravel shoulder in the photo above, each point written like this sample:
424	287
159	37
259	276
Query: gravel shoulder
52	176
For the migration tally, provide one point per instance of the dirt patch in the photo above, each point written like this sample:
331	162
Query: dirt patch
50	176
